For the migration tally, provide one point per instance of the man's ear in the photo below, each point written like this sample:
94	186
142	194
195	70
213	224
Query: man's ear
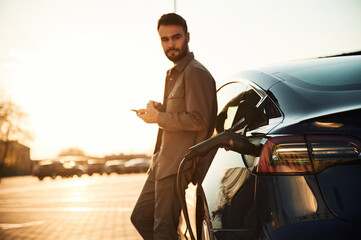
188	38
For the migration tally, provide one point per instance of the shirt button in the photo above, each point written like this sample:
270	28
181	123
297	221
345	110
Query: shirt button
171	79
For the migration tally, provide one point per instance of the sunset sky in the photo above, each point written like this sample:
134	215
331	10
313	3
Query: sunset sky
77	67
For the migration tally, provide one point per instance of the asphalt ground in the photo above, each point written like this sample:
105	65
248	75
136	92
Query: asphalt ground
96	207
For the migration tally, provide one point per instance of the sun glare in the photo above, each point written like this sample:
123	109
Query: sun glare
77	68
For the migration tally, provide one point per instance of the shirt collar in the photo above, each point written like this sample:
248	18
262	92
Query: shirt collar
184	62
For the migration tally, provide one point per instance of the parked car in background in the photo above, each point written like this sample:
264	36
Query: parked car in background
72	165
95	166
114	166
292	169
46	168
137	165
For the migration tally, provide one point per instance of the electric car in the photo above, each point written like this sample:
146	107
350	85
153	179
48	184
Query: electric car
285	162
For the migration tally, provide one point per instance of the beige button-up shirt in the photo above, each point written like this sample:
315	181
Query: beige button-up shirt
188	116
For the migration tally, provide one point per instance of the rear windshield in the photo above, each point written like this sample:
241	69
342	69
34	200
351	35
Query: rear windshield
333	76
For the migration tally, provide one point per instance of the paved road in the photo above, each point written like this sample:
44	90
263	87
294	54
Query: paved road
88	208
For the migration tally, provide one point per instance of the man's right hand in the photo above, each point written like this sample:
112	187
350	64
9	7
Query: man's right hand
149	115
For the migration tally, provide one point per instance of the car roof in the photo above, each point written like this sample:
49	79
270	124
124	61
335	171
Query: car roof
349	68
310	63
312	88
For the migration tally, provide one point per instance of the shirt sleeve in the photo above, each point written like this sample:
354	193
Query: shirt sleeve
200	94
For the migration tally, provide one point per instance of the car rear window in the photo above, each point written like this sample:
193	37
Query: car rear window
338	76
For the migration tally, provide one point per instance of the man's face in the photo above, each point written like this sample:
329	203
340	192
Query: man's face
174	42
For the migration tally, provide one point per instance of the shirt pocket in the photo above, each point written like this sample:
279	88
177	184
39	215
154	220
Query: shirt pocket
176	100
177	92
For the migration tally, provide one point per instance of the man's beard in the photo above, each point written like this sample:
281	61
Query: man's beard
182	53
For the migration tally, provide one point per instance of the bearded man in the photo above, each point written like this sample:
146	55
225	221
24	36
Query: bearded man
185	118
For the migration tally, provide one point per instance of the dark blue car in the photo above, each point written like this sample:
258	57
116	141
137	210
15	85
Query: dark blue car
285	162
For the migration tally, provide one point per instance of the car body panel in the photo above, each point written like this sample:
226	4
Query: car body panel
285	205
340	186
301	104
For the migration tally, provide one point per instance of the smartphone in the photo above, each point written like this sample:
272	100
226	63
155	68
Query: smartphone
135	110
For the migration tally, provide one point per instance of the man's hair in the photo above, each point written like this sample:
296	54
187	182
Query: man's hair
173	19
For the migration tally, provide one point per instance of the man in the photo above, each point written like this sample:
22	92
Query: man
185	118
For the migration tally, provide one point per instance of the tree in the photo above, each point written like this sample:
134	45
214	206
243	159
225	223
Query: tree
11	129
71	152
11	119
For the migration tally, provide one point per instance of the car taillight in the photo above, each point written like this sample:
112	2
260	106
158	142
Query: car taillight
285	155
291	155
330	150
